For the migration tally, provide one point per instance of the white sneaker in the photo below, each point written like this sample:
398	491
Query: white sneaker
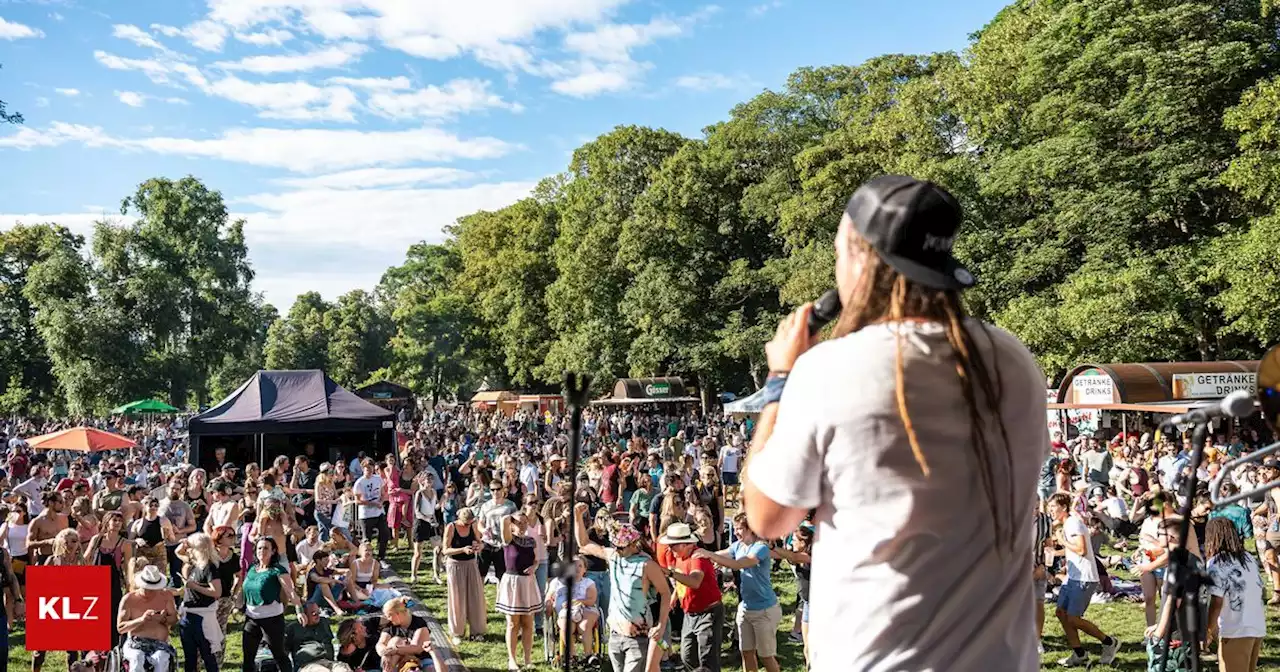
1109	652
1073	660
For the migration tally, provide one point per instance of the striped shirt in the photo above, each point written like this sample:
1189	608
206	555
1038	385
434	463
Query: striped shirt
1043	529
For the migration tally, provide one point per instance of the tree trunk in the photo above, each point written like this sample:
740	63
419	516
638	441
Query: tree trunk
705	391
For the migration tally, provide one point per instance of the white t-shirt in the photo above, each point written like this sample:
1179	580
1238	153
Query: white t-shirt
1116	508
729	456
369	487
1240	588
307	550
883	528
1080	568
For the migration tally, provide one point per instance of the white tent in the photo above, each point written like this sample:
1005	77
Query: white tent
751	405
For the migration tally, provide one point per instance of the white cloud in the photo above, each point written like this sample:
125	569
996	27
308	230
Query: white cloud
298	150
434	29
395	218
155	70
57	134
70	93
11	30
55	16
41	101
592	80
298	101
131	98
205	35
271	37
379	177
614	42
606	64
137	36
329	57
397	83
709	81
438	102
135	99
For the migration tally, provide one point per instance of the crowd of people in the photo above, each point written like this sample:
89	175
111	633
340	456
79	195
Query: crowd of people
658	542
1126	493
200	553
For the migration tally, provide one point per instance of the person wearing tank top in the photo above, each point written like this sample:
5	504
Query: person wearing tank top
633	576
152	531
466	602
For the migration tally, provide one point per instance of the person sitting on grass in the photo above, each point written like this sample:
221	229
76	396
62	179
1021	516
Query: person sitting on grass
323	583
310	638
405	637
358	643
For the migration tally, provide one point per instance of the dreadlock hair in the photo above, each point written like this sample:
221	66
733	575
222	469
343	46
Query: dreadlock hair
1221	540
883	294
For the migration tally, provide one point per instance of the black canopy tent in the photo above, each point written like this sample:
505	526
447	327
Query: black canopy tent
280	412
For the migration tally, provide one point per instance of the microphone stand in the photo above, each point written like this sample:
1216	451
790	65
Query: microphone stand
576	393
1184	579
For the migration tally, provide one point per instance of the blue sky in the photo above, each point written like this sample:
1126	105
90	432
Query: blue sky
343	131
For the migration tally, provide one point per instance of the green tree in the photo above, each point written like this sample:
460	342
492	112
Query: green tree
1098	132
439	345
181	272
506	267
358	334
23	356
300	340
605	178
89	341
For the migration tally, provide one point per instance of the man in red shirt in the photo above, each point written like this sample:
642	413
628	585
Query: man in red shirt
699	596
73	478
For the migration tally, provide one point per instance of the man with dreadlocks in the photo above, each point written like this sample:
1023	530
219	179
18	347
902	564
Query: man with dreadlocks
917	433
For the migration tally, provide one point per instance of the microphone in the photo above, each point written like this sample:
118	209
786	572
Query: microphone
825	309
1238	404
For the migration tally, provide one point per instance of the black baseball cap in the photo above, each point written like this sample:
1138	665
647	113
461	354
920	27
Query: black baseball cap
912	225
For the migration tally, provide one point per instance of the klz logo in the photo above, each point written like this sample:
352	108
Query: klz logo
67	608
59	609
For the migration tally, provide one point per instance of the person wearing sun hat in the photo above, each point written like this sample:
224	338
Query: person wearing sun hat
700	599
632	576
146	615
917	433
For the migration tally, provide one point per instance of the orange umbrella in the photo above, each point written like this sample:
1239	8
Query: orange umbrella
83	439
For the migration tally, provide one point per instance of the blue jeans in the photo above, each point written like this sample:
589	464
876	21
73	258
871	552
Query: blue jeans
325	523
541	577
194	643
601	579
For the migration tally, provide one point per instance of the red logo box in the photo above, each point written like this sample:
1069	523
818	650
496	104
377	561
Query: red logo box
68	608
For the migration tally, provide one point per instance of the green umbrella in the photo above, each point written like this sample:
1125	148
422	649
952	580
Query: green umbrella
144	406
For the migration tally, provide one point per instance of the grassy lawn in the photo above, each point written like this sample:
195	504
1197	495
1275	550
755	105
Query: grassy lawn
490	655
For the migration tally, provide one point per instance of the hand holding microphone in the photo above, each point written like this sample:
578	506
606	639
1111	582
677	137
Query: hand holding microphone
796	331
